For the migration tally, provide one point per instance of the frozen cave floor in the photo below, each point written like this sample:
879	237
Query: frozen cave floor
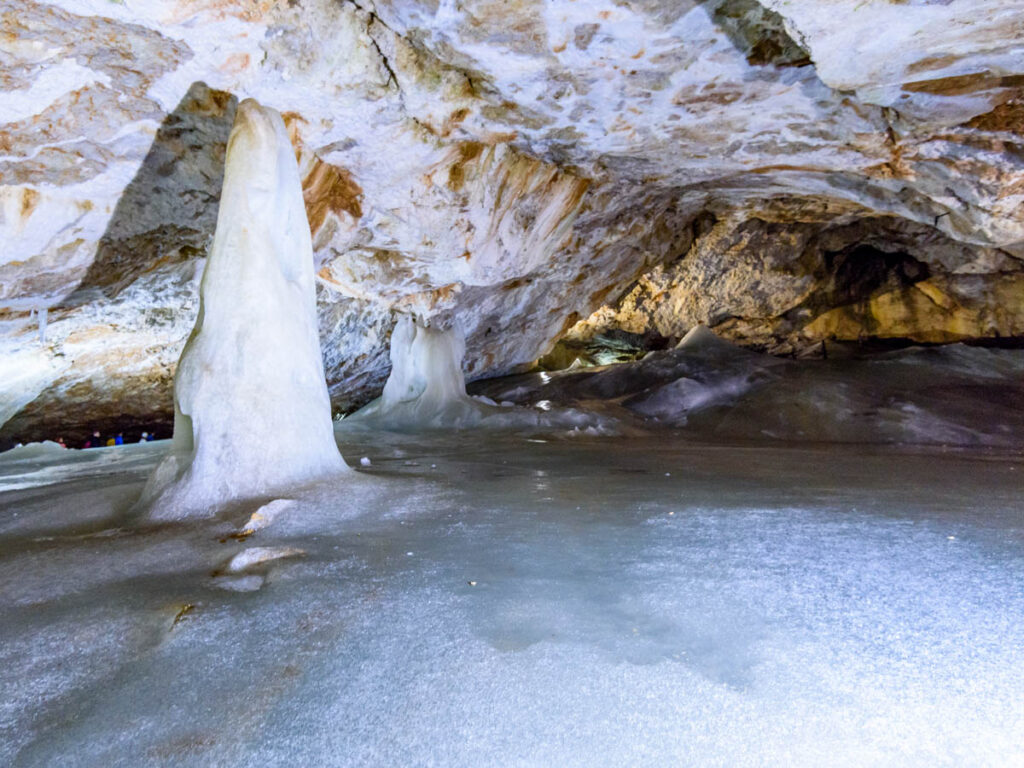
471	599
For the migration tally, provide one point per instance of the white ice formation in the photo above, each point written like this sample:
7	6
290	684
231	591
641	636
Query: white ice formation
252	414
255	556
266	515
426	388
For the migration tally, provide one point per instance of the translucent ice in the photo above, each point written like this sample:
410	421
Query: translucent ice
426	388
42	315
32	451
634	602
252	413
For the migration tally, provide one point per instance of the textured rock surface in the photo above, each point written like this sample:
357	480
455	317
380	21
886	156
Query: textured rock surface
788	286
518	164
711	389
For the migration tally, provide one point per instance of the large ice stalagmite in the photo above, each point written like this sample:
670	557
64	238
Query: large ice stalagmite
252	414
426	388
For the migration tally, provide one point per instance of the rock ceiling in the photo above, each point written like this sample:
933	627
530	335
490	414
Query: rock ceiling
510	166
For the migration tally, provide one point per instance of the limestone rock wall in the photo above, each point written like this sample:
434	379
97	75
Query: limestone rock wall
510	166
785	287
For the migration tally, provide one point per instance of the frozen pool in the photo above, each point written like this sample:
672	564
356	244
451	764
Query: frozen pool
484	601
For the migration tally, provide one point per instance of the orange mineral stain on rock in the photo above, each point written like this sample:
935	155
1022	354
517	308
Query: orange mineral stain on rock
958	85
236	63
1008	117
432	299
330	189
453	121
253	10
466	153
29	201
932	64
293	123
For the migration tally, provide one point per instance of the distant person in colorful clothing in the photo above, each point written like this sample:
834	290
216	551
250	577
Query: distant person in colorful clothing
95	441
119	440
144	438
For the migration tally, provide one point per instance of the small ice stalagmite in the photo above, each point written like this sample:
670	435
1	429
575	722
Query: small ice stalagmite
251	410
42	313
426	388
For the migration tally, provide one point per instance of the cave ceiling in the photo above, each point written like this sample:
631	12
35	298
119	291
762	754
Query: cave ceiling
513	167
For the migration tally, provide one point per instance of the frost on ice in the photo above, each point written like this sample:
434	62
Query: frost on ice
251	410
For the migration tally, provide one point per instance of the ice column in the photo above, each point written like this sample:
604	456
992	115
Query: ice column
426	388
251	415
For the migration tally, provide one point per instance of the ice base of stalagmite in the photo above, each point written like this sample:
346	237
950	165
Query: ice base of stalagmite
427	390
252	414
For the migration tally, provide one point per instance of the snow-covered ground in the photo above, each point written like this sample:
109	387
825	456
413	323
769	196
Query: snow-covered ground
474	600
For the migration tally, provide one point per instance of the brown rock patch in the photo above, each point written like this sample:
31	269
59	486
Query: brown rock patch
330	189
1008	117
959	85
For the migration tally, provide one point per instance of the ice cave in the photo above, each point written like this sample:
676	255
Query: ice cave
564	383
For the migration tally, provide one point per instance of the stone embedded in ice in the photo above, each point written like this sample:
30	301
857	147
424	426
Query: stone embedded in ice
252	414
683	396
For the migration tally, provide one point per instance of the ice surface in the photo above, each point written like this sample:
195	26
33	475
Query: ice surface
480	600
711	389
38	464
32	452
252	415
